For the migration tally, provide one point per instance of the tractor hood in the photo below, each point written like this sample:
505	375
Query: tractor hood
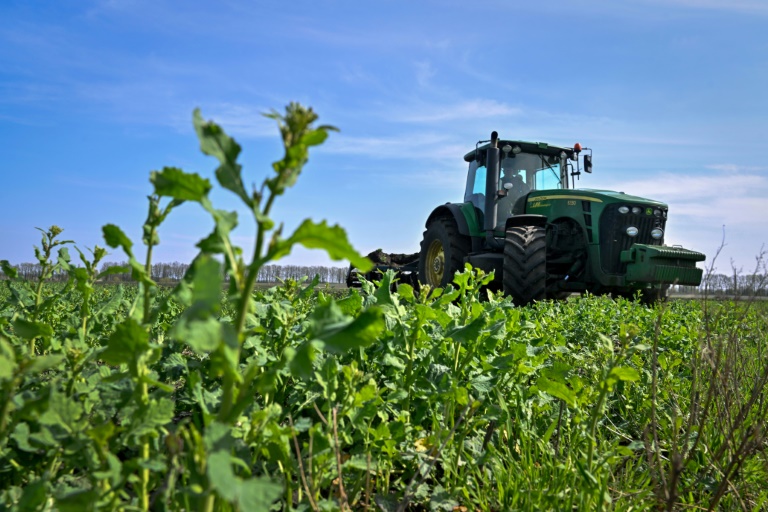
613	196
593	195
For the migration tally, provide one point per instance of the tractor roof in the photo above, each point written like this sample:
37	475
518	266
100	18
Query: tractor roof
526	147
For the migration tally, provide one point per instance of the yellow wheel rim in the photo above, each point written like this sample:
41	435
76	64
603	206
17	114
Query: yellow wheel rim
435	263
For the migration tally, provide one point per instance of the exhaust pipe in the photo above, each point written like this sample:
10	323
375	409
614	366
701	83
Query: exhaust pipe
491	188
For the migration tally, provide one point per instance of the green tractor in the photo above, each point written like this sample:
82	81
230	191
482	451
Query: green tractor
545	239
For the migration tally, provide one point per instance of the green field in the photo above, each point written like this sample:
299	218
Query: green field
219	395
436	402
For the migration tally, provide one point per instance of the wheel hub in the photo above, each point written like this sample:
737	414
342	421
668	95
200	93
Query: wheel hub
435	263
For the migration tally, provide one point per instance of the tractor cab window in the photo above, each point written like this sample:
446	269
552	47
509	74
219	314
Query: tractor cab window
530	171
548	177
475	191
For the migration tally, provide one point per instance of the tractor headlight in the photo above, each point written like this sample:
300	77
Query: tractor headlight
632	231
657	213
637	210
624	209
657	233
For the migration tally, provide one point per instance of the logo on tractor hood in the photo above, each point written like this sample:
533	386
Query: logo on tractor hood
551	198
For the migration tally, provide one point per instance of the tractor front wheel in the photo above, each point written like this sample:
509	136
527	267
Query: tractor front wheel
443	251
525	264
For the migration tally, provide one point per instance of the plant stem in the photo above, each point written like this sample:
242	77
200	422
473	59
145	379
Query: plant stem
145	449
228	392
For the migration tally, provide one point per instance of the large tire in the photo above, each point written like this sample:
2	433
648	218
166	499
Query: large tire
443	251
525	264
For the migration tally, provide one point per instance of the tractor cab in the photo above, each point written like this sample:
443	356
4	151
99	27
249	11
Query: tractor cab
523	168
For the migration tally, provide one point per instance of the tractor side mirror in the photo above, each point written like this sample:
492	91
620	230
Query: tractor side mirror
588	163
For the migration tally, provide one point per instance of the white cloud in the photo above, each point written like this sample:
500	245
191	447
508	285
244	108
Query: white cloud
725	198
733	168
465	110
409	146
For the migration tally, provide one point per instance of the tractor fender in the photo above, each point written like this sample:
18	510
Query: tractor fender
450	210
527	219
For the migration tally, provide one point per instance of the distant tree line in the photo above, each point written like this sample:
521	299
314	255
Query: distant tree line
736	284
273	273
166	273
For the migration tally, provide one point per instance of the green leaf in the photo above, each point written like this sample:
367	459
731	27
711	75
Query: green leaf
157	413
441	500
558	372
624	373
557	389
216	143
216	242
173	182
42	363
258	493
114	237
314	137
307	291
218	437
8	270
461	395
383	292
78	501
198	326
126	344
21	436
332	239
303	358
202	335
392	360
28	330
213	141
7	360
363	331
113	301
405	291
206	276
34	496
221	477
469	332
366	393
63	412
102	433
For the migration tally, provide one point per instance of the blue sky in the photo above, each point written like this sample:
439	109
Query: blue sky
671	95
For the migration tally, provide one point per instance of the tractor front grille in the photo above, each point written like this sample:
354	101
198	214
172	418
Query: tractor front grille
614	238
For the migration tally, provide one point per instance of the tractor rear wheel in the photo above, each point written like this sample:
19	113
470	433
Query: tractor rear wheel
525	264
443	251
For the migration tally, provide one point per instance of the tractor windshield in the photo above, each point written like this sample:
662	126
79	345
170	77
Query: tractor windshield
530	172
521	173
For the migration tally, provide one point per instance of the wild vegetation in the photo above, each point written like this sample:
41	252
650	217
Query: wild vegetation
136	397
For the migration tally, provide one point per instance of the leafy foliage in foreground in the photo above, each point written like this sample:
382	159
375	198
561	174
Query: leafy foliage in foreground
126	398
